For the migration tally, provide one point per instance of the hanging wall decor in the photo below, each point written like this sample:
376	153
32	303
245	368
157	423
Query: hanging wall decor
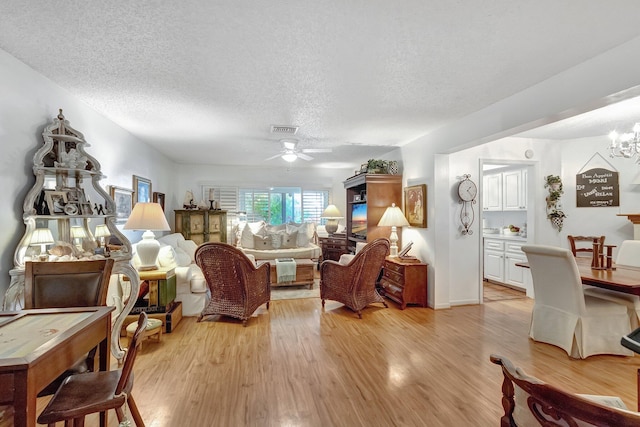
554	208
597	186
467	191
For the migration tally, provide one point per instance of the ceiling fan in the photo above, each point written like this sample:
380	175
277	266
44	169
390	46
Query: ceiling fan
290	152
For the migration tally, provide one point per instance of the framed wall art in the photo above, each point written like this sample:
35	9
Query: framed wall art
123	198
415	205
159	198
141	189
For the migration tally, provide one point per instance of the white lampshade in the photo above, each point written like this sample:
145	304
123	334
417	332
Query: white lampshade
41	237
77	232
393	217
102	231
332	214
149	217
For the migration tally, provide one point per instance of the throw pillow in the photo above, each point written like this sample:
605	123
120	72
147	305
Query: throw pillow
276	239
289	240
305	233
189	246
246	238
262	242
182	258
167	257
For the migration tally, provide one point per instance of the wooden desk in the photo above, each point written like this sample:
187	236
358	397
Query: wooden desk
36	346
623	279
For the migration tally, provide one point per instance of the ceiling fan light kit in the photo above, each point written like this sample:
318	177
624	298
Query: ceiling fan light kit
290	151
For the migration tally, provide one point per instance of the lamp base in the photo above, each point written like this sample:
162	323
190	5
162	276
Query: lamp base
147	250
331	226
393	238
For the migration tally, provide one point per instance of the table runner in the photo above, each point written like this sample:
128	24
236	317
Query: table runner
285	270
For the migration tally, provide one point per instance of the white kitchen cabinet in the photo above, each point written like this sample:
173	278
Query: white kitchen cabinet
514	190
492	192
506	191
500	259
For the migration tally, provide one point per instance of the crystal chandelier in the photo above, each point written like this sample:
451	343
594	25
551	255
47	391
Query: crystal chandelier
625	145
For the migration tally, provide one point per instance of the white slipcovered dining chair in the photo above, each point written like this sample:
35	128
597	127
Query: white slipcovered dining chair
582	325
629	255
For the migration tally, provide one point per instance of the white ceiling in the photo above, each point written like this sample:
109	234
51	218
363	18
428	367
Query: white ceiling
203	80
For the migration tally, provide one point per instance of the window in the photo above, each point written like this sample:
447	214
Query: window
280	205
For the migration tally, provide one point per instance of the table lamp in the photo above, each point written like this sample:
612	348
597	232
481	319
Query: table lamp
77	234
42	237
332	215
149	217
101	234
393	217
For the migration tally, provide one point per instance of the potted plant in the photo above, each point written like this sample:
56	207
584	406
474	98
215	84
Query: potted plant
554	184
377	166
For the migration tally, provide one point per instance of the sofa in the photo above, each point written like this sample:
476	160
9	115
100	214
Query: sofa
269	242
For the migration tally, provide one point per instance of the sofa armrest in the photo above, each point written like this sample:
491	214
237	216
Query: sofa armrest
193	276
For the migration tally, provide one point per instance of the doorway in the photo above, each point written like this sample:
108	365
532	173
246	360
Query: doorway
508	219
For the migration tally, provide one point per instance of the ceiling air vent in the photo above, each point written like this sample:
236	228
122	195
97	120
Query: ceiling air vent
288	130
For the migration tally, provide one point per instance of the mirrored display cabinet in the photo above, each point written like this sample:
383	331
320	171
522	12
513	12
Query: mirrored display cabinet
69	216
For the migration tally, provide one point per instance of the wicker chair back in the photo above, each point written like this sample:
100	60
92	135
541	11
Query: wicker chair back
354	284
236	285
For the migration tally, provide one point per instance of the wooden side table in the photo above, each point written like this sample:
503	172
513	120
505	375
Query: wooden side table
333	246
161	302
404	281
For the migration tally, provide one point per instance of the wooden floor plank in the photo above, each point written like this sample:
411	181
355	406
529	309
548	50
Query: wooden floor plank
295	365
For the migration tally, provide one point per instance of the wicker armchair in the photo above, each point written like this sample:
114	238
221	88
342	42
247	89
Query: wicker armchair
354	284
237	286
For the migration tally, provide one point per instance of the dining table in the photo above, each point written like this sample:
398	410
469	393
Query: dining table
38	345
621	278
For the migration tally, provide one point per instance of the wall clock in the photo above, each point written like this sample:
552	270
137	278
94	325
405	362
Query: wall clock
467	191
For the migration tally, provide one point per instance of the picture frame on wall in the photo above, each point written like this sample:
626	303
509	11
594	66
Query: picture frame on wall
415	205
141	189
123	198
159	198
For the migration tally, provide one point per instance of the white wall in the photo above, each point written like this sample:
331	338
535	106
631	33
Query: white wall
454	271
28	103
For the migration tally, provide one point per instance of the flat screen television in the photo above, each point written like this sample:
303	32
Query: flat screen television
359	220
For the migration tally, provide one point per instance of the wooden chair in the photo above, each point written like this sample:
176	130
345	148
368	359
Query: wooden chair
354	284
527	401
67	284
84	394
583	245
236	285
564	316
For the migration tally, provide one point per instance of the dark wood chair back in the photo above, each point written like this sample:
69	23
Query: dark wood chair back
125	383
543	404
583	245
66	283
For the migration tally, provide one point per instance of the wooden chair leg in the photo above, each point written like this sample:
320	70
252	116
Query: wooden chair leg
135	413
120	414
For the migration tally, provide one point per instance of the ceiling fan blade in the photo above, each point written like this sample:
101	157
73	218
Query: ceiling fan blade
273	157
317	150
304	156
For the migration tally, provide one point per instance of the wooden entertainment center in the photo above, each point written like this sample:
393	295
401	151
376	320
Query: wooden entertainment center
373	193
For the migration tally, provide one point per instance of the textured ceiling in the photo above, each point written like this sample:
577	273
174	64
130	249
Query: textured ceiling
203	80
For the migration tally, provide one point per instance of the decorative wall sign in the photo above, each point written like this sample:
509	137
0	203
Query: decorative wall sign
597	184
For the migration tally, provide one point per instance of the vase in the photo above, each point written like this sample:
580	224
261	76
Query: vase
393	167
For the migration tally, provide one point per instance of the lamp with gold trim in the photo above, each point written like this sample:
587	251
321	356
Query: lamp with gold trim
149	217
393	217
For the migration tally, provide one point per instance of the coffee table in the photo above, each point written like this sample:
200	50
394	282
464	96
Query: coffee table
304	273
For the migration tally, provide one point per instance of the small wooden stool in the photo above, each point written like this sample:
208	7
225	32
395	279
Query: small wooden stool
154	328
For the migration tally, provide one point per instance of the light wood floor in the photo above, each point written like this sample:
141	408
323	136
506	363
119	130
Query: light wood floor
296	365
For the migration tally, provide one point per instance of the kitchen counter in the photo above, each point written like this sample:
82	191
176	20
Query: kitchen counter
504	237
